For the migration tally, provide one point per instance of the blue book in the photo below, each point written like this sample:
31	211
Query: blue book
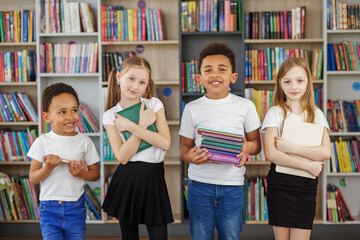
116	24
25	27
14	138
91	205
247	52
148	28
6	109
221	16
30	107
139	25
156	27
221	152
269	67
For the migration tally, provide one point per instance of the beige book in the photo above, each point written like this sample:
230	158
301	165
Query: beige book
303	134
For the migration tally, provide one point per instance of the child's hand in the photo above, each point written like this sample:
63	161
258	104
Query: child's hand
243	155
315	168
147	117
77	169
199	156
121	123
51	160
284	145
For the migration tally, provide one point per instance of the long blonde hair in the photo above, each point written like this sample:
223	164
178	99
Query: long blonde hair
307	102
114	93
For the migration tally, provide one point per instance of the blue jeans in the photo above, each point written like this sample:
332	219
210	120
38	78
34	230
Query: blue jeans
60	220
213	206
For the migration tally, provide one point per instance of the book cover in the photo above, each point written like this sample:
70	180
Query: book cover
224	158
304	134
133	114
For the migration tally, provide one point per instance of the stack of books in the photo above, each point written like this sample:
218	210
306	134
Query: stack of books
223	146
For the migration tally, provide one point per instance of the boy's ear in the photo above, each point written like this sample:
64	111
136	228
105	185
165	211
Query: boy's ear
46	117
234	77
198	78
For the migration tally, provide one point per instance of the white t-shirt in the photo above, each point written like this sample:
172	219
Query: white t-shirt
274	118
60	184
232	114
151	154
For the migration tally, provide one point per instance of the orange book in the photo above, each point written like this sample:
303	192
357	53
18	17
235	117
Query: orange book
314	63
346	57
337	57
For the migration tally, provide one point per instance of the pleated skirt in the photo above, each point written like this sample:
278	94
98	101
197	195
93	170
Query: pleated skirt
138	194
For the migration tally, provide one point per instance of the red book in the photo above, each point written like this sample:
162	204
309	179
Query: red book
286	33
302	21
182	77
344	205
12	145
143	25
278	28
16	67
160	25
7	37
2	79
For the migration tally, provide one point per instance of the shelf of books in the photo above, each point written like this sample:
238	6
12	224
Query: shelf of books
342	102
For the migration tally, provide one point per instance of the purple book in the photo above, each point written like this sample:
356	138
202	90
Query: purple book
221	136
222	152
224	158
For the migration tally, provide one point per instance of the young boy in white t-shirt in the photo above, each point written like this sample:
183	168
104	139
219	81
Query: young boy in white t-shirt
215	196
62	160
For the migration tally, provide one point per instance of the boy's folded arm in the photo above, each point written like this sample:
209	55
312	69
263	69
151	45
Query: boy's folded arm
92	174
37	172
122	151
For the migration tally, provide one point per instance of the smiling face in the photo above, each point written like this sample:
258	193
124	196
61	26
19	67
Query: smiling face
294	84
216	76
133	83
63	114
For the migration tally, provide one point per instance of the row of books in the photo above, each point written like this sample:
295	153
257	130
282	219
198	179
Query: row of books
189	82
264	64
16	107
343	116
112	60
68	58
276	24
263	99
122	25
18	26
337	208
92	205
256	200
342	16
344	56
108	154
16	144
18	66
87	121
345	156
211	16
18	201
63	16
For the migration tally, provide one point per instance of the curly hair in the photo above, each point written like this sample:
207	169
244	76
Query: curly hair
218	48
54	90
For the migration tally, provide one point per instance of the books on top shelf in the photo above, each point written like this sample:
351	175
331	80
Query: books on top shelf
344	56
343	116
222	146
264	64
337	208
345	156
211	16
342	16
112	60
256	199
68	58
16	144
119	24
64	16
18	26
18	66
16	107
276	24
19	200
189	82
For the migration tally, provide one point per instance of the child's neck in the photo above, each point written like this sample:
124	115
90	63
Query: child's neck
295	107
125	103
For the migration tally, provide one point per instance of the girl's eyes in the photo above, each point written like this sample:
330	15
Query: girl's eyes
131	78
142	83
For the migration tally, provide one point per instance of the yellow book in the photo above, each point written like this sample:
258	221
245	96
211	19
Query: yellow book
130	24
339	155
344	120
11	204
118	13
30	27
25	65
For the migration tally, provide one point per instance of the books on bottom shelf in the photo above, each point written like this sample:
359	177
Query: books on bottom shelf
92	205
256	199
18	199
222	146
14	145
337	208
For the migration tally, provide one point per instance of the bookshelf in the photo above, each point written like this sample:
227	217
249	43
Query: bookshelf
339	86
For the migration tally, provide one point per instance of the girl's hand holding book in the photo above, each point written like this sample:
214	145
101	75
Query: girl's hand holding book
284	146
121	123
147	116
315	167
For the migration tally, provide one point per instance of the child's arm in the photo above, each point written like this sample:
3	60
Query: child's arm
192	154
251	145
78	169
318	153
160	139
282	159
38	172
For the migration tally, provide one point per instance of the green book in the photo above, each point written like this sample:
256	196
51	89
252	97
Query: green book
133	114
224	145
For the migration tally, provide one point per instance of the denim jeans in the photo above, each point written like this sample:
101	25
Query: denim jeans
213	206
63	220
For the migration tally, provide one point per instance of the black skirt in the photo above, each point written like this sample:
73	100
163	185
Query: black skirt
138	194
291	200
